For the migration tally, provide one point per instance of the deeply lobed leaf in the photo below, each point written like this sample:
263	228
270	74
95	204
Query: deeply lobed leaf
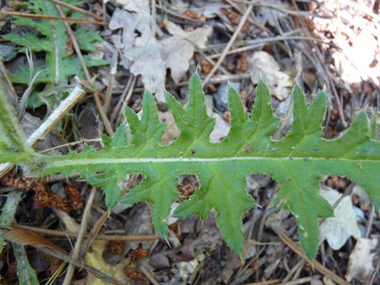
297	161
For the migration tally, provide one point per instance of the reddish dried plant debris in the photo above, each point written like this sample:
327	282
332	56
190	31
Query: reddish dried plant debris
193	15
244	29
336	182
227	116
134	274
268	48
307	21
116	247
190	14
42	198
255	265
176	228
97	9
206	66
187	189
139	254
232	16
69	46
242	64
14	6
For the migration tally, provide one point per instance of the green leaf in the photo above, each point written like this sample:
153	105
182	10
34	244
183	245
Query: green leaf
59	67
85	39
13	145
297	161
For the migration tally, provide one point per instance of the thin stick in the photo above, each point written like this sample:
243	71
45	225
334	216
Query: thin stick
77	9
126	101
266	211
279	281
120	103
82	231
273	281
154	14
298	68
369	225
229	45
370	282
250	19
111	80
52	18
81	88
75	44
287	11
319	267
319	55
84	67
95	230
74	235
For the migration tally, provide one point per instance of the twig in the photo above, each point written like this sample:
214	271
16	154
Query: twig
111	80
51	18
81	88
369	225
121	99
276	281
147	274
250	19
298	68
338	37
370	282
273	281
275	190
221	68
346	193
319	267
74	235
229	45
154	14
84	67
77	9
299	264
95	230
126	101
82	231
178	15
259	42
75	44
287	11
319	55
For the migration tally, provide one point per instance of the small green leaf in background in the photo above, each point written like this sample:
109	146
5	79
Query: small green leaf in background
59	67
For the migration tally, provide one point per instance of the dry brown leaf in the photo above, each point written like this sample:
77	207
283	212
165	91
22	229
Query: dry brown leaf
198	37
26	237
264	65
176	52
361	258
140	48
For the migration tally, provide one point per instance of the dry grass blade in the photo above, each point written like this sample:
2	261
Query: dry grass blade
52	18
77	9
319	267
74	236
25	237
229	45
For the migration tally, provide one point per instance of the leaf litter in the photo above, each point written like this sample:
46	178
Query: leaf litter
209	259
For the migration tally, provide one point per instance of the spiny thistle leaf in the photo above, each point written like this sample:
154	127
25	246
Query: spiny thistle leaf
59	66
13	145
297	161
